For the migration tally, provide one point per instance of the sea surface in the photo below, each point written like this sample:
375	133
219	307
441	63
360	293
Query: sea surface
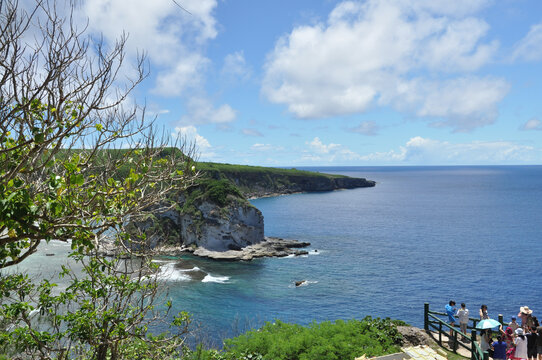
422	234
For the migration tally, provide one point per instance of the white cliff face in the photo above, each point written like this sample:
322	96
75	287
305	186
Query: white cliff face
215	228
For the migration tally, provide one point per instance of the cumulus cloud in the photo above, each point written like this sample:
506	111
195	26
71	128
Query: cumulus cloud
530	47
190	135
533	124
174	40
201	111
369	53
317	151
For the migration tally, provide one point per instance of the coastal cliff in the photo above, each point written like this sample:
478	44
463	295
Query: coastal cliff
213	218
256	181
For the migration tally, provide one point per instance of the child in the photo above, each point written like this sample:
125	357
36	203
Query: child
513	324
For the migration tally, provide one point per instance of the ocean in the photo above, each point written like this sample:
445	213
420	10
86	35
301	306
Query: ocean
423	234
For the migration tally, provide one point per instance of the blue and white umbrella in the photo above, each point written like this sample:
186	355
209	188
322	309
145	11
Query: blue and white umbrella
487	324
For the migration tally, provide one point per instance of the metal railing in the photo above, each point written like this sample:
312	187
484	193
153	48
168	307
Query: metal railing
432	321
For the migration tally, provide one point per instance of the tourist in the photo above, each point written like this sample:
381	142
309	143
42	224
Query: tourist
450	311
499	349
531	343
535	322
525	316
463	316
483	312
513	324
508	336
521	345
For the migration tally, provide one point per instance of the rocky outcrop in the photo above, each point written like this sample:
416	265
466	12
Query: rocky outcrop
270	247
215	227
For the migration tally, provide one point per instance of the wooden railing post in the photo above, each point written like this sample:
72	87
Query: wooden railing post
426	316
486	355
440	333
501	320
473	345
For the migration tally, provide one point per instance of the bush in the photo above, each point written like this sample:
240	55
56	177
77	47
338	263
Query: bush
327	341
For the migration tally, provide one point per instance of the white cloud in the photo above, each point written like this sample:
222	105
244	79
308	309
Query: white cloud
201	111
424	151
533	124
465	103
319	152
367	52
188	73
174	36
369	128
530	47
190	135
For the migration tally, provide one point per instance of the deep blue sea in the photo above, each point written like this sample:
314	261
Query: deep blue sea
422	234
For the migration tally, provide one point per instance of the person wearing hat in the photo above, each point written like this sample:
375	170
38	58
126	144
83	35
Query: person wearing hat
525	316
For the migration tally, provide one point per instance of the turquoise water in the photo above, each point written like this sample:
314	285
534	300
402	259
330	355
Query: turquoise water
423	234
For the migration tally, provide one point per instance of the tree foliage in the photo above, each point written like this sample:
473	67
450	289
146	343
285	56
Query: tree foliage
77	164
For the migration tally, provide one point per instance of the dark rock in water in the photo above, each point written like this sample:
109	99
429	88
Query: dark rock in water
299	283
49	254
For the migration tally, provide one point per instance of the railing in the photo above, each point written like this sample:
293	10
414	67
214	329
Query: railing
432	321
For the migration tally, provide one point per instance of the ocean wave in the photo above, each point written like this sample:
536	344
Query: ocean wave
216	279
168	272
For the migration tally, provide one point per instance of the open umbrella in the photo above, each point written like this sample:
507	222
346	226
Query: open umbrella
487	324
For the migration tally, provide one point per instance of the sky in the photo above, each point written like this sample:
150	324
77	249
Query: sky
339	83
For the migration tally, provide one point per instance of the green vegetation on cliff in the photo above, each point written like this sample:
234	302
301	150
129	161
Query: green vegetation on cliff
256	181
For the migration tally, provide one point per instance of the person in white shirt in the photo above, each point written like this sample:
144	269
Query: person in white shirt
463	315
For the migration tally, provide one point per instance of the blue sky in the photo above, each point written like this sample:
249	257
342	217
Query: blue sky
308	82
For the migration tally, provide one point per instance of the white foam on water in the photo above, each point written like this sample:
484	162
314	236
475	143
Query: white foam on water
314	252
216	279
168	272
195	268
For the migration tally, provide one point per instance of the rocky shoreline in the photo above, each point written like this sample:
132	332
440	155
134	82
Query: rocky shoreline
269	247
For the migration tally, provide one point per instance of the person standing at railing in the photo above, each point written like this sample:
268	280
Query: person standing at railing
450	311
483	312
463	316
